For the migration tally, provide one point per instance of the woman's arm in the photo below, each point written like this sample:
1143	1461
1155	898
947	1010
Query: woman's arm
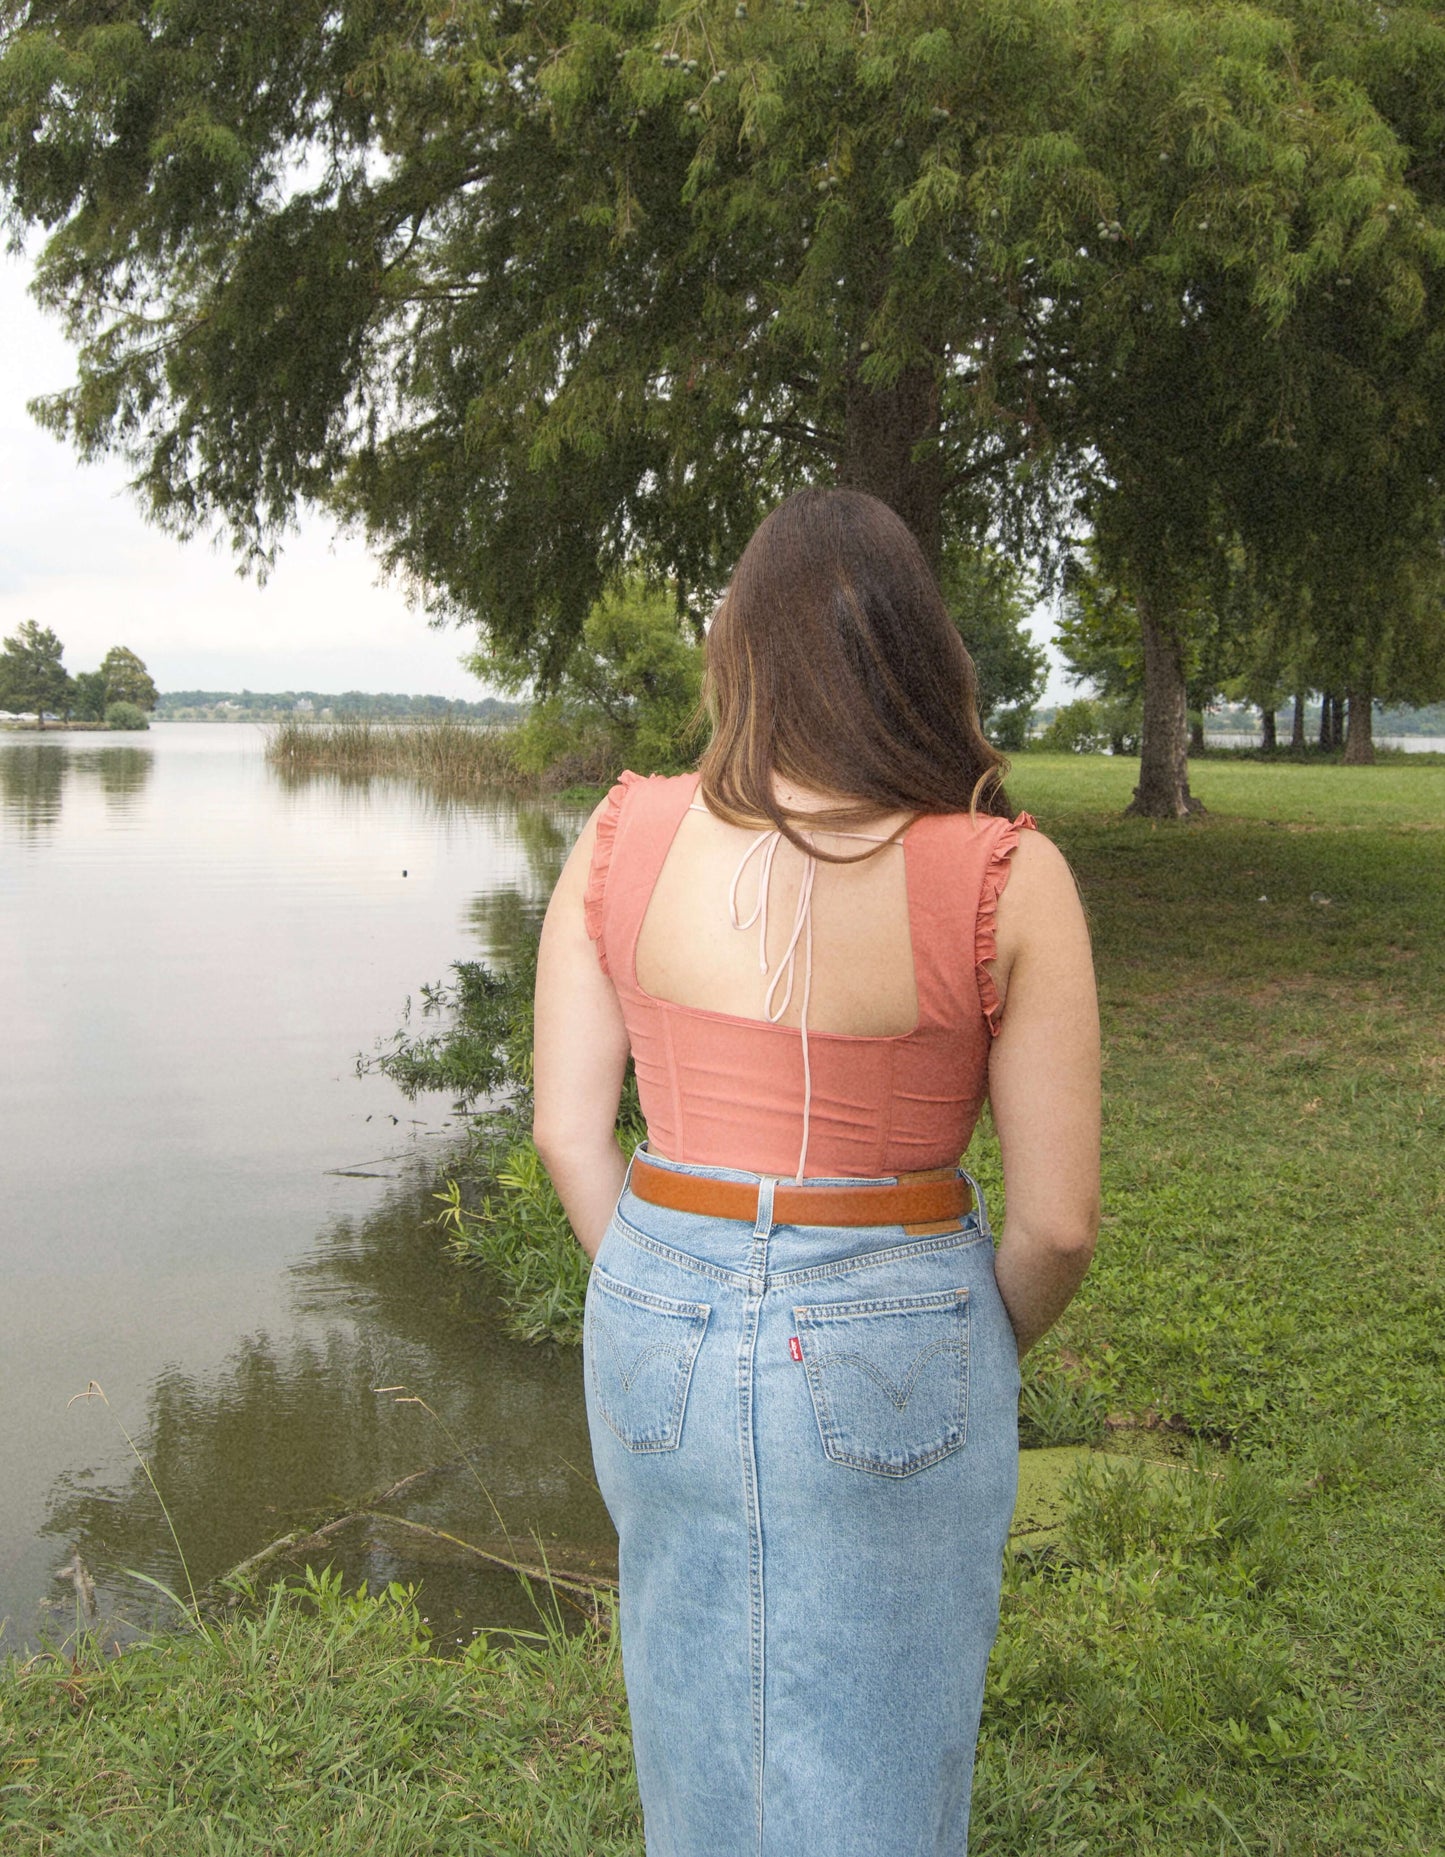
1043	1080
579	1056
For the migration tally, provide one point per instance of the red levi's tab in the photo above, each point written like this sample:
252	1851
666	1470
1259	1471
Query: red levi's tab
795	1347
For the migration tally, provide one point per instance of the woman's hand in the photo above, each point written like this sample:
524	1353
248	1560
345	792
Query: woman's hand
579	1056
1043	1080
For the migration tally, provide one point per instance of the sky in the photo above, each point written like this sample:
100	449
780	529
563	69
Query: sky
77	555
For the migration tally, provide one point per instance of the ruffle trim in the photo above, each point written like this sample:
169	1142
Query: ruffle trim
985	946
595	893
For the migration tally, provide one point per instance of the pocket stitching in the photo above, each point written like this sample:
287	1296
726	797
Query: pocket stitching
955	1434
696	1315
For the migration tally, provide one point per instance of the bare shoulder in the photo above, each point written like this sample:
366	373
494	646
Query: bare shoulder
1040	871
1040	906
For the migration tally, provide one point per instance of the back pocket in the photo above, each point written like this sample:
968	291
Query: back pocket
889	1379
640	1353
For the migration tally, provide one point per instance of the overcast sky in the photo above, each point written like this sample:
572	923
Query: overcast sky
76	555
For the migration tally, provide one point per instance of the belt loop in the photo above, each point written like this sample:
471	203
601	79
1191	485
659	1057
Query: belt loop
763	1225
980	1204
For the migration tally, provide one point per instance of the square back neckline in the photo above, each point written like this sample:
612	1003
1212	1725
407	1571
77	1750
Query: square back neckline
746	1019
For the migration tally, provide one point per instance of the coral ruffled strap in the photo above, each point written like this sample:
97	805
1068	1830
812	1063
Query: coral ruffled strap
985	946
594	896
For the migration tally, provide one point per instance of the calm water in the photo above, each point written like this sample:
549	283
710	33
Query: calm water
1411	744
204	1210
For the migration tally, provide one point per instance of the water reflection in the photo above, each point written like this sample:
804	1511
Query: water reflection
122	772
503	919
33	777
291	1432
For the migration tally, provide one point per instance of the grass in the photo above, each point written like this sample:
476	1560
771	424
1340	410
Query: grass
1250	1661
318	1721
1234	1648
456	757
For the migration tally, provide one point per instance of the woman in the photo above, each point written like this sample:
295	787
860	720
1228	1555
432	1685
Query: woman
823	949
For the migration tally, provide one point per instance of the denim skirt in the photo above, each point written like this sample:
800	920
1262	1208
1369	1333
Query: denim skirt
807	1438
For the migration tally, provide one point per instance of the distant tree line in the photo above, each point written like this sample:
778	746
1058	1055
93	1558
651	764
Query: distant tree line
382	706
34	681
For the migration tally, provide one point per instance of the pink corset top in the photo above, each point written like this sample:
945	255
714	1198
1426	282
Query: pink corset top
723	1091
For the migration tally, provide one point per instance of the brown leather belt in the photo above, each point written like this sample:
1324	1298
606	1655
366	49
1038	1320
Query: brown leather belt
917	1199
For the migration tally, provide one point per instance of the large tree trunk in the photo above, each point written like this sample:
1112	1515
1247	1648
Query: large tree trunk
1268	738
884	427
1163	789
1360	741
1297	724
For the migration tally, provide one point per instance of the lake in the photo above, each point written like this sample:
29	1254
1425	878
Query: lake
205	1210
1409	744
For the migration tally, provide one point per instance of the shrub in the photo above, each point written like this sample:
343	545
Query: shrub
1008	729
1078	728
627	695
125	716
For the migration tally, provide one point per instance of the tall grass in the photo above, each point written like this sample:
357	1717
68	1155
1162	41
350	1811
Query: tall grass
447	754
316	1720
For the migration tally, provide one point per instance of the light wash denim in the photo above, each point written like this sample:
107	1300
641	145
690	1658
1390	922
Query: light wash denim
808	1440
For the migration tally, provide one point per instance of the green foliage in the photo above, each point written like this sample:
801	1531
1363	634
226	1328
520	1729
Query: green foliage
1097	634
626	696
125	716
445	754
89	699
499	1209
1077	728
127	680
1099	640
546	292
32	678
1057	1409
1008	729
482	1044
519	1233
990	599
317	1719
1226	1650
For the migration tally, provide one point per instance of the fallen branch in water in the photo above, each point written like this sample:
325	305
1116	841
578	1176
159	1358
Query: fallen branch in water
591	1583
300	1540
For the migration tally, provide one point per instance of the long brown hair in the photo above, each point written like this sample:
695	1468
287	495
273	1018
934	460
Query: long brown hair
832	662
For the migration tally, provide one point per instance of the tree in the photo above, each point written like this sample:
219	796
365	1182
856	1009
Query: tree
536	293
627	695
32	676
1217	397
127	680
125	716
1383	638
90	698
1080	727
1357	511
990	598
564	288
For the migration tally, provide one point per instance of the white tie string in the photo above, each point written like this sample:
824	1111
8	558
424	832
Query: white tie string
773	1007
802	932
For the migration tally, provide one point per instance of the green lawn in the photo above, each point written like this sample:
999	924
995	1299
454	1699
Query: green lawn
1235	1641
1246	1654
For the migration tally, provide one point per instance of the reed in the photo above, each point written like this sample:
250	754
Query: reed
447	754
